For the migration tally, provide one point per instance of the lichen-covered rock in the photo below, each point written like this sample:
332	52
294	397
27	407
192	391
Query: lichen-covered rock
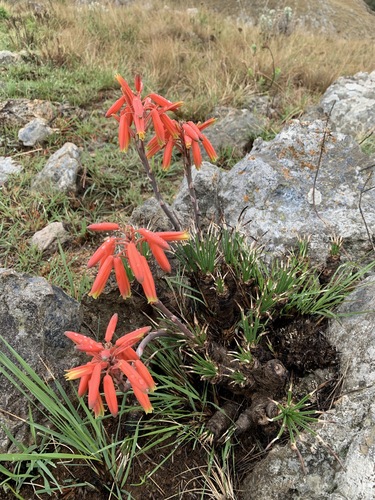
350	104
278	195
7	58
61	170
33	317
348	429
18	112
35	131
7	167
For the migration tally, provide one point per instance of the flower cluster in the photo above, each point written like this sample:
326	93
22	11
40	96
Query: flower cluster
131	108
110	366
126	247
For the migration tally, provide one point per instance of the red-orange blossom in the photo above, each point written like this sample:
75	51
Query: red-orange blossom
111	366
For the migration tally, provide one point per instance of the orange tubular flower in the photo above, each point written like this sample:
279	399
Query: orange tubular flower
116	106
131	338
158	126
106	249
173	235
108	367
102	277
209	149
167	156
143	400
148	283
135	261
126	247
160	257
104	226
145	374
123	133
110	394
93	385
133	376
170	125
154	238
111	328
121	278
197	157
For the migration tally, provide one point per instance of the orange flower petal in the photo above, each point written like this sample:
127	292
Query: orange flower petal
160	100
197	156
133	376
206	124
80	371
110	394
128	354
128	93
160	257
173	235
122	278
83	385
131	338
104	226
111	328
102	277
138	84
94	384
153	238
167	156
209	149
116	106
98	407
124	133
143	400
158	126
148	283
107	248
145	374
170	125
135	261
191	132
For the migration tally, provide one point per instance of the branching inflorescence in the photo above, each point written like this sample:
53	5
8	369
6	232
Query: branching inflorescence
124	252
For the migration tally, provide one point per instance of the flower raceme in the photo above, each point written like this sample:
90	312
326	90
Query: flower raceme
110	366
152	110
126	247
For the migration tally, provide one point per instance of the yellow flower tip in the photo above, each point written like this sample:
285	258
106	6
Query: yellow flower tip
141	135
94	295
152	300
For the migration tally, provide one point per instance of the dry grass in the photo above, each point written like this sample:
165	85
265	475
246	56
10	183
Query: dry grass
206	59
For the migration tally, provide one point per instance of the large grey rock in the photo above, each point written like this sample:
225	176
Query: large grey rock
8	167
350	104
61	170
49	236
33	317
348	429
18	112
271	190
35	131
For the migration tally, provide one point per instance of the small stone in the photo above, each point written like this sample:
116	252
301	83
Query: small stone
49	236
61	170
7	167
35	131
7	58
